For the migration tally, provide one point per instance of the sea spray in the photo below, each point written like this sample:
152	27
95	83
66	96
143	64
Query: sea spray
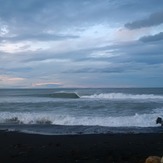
137	120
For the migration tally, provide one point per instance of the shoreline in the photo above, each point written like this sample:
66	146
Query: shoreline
48	129
117	148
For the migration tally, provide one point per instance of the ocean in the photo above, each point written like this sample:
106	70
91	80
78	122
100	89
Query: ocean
81	111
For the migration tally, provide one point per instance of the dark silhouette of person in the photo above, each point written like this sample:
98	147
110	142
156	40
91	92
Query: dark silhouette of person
159	121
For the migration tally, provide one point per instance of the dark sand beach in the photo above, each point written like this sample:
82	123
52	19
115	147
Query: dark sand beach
119	148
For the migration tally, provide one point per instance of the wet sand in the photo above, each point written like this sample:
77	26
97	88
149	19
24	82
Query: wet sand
112	148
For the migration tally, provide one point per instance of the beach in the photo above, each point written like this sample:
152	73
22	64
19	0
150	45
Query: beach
119	148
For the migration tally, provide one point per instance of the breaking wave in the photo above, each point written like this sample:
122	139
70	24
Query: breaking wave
137	120
123	96
64	95
110	96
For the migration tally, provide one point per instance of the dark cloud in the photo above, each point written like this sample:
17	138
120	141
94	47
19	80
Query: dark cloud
156	37
152	20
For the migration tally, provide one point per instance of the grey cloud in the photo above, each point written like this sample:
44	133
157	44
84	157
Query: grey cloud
97	70
18	70
76	55
152	20
35	15
156	37
49	85
137	58
38	37
33	19
129	52
143	53
55	14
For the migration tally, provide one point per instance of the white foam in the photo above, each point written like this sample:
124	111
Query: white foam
142	120
123	96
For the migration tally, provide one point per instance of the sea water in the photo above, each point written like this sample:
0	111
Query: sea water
81	111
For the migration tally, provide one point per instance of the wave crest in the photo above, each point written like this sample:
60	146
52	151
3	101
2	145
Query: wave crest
123	96
64	95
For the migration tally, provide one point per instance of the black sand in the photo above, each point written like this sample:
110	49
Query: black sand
113	148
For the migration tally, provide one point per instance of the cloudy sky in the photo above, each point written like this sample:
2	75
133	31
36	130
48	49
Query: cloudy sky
81	43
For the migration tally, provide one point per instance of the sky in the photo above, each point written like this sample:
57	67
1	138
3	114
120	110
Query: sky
81	43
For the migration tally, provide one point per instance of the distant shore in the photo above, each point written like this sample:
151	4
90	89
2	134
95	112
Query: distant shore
119	148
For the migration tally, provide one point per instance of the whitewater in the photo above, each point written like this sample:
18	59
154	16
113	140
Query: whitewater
74	111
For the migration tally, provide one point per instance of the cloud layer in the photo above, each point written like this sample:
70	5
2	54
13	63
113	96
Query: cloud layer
88	43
